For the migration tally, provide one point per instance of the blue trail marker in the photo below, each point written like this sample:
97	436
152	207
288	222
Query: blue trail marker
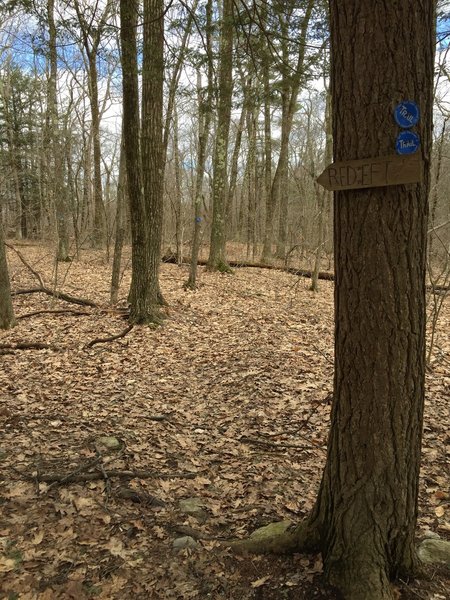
407	142
407	114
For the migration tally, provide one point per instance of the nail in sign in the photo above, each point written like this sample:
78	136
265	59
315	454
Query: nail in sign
372	172
407	114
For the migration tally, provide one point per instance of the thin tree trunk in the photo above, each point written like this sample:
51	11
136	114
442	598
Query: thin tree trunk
291	88
7	319
235	164
174	80
204	124
56	170
435	191
323	196
98	234
178	192
120	226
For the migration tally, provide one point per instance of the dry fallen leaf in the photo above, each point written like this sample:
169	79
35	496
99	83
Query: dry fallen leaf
259	582
38	537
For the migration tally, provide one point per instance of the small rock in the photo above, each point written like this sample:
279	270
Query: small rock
270	530
110	442
435	551
184	542
3	453
193	507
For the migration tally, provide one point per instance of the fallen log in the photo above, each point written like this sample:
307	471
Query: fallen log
325	275
77	477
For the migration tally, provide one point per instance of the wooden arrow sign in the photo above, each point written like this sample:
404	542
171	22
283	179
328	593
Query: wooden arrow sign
372	172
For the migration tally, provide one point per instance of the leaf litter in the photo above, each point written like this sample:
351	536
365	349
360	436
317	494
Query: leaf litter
228	403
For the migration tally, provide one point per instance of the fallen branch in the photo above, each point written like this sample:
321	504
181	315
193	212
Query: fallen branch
53	312
27	264
88	465
58	295
79	477
109	339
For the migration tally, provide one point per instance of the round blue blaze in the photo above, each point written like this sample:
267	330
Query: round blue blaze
407	114
198	219
407	142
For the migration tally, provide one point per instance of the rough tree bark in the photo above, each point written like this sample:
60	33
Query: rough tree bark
365	515
131	133
152	142
7	319
367	506
144	161
217	260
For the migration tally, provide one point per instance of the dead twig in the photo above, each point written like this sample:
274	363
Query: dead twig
109	339
53	312
279	445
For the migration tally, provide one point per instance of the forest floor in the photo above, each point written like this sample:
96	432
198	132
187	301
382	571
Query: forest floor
227	403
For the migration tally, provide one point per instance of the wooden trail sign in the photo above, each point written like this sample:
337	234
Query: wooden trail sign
372	172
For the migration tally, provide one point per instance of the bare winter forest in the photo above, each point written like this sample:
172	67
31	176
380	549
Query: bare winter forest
218	378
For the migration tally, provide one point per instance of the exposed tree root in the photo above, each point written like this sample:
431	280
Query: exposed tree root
54	312
110	338
291	538
220	267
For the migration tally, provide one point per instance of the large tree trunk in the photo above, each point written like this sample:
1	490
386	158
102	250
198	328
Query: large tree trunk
152	140
217	260
365	515
367	505
139	310
144	165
